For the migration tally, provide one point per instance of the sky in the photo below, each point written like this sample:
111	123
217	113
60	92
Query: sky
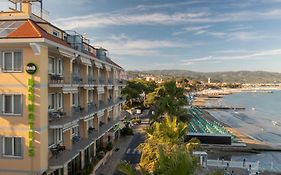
197	35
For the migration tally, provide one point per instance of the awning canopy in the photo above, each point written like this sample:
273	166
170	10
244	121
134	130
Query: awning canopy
66	53
100	90
86	61
107	67
97	64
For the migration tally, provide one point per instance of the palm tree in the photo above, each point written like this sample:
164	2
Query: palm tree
168	99
166	134
179	162
164	148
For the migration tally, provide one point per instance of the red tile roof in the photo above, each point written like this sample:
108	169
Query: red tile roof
26	30
30	29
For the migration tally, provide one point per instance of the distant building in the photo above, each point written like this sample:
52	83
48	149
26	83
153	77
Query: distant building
150	78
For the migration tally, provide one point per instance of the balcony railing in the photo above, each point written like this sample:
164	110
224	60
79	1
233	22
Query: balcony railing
102	105
76	79
91	80
64	156
92	107
55	79
101	81
55	115
110	81
59	119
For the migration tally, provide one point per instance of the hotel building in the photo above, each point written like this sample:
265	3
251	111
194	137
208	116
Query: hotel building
60	97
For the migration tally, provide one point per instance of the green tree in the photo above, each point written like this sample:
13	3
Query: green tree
168	135
179	162
168	99
164	146
135	89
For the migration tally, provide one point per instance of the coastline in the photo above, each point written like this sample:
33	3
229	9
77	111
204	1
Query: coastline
245	146
252	145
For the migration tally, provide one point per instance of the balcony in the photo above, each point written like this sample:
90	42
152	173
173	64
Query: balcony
58	119
101	81
102	105
76	79
110	82
91	80
110	102
63	157
55	79
90	110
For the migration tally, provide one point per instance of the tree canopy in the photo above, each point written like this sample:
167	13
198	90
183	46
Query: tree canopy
168	99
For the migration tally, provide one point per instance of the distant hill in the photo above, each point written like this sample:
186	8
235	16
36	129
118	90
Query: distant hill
238	76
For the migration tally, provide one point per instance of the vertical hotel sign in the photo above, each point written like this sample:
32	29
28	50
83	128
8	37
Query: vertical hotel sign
31	69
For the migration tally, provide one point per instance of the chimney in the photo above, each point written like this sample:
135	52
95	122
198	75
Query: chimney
26	8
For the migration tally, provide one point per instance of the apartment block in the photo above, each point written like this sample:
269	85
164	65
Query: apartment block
60	97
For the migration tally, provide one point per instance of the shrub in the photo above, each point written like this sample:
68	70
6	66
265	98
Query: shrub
136	121
109	146
127	131
101	154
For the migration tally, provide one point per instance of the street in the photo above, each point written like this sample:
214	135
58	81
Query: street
132	154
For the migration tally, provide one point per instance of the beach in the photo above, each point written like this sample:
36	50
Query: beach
249	128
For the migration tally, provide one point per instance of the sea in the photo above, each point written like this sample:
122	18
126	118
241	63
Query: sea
260	120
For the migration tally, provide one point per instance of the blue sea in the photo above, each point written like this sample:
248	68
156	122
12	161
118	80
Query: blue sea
261	120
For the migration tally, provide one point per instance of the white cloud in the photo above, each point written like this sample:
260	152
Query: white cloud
107	19
196	28
122	18
123	45
254	55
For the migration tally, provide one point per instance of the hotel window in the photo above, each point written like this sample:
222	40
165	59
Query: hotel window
12	146
75	131
75	68
75	99
58	135
90	96
51	66
59	67
12	104
12	61
91	123
56	33
51	140
59	99
51	100
90	71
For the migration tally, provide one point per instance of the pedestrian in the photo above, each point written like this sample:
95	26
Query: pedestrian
244	160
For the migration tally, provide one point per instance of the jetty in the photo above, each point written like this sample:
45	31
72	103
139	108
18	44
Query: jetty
222	108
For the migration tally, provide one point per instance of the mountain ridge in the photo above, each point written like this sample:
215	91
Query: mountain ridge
223	76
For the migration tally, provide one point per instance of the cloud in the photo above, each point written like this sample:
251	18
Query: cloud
253	55
163	18
109	19
165	5
124	45
236	34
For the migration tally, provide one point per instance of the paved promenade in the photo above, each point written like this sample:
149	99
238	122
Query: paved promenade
110	166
